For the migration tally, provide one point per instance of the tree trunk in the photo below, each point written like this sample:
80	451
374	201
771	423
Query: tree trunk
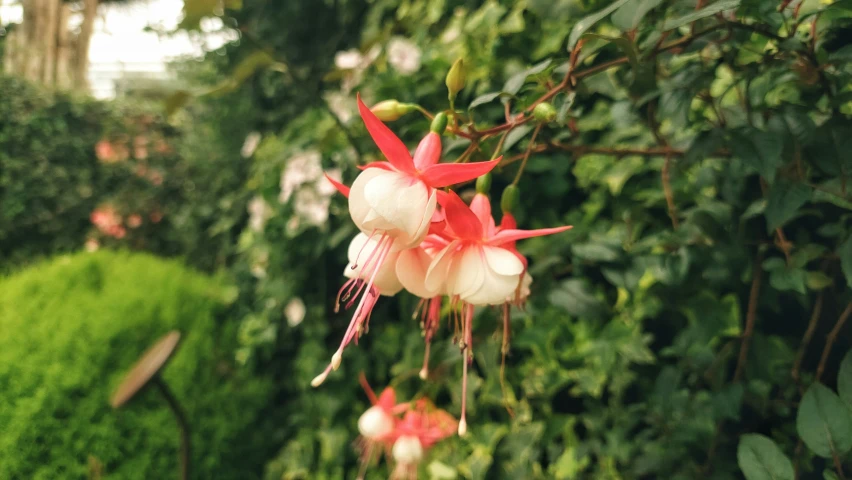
84	39
44	50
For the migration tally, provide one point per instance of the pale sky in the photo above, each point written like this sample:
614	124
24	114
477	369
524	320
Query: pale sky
120	43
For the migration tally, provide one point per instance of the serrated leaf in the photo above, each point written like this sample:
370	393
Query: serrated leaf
844	379
844	251
589	21
483	99
783	202
824	422
705	12
629	15
760	458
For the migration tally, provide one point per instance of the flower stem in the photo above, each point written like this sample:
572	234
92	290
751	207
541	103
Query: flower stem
527	154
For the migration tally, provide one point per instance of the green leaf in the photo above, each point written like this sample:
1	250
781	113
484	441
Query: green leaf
759	150
515	82
628	16
818	281
574	297
844	251
625	44
760	459
515	136
483	99
784	200
176	101
589	21
595	252
824	422
705	12
844	379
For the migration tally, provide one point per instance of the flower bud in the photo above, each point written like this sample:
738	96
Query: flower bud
510	198
544	112
439	123
455	79
390	110
483	184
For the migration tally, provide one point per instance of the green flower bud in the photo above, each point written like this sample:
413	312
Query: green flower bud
439	123
544	112
390	110
455	79
483	184
510	198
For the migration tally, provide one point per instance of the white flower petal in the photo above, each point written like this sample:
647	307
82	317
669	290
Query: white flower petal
362	254
503	261
411	268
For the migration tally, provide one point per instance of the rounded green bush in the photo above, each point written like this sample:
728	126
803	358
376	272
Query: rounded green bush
71	328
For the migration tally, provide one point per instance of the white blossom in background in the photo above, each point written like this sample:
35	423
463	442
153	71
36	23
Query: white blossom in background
295	311
259	213
403	55
311	206
324	187
302	168
341	105
250	144
348	59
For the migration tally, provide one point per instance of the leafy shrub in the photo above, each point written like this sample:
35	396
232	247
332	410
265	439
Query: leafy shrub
73	169
698	150
73	327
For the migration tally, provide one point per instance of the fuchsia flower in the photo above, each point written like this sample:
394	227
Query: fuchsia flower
405	439
392	203
479	266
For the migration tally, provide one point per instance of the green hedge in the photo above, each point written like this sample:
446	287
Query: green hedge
173	186
72	327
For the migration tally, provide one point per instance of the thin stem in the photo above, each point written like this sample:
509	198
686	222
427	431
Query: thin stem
806	339
829	342
500	144
667	189
527	154
183	425
751	316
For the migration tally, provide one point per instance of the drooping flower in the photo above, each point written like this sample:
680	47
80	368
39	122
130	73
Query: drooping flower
376	425
479	266
421	428
393	203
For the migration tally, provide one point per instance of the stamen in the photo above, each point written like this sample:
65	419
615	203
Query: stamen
468	339
360	316
357	257
317	381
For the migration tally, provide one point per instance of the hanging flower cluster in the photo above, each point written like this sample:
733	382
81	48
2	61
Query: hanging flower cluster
417	237
404	432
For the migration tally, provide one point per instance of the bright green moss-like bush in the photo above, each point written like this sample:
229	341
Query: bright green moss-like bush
72	327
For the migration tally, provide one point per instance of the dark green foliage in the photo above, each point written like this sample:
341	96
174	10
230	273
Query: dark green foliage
670	321
74	326
182	182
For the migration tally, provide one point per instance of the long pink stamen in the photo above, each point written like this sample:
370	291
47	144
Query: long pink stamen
358	316
468	341
358	257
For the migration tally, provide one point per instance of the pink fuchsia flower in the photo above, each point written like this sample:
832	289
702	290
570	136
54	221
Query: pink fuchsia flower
393	202
377	424
479	266
398	197
420	429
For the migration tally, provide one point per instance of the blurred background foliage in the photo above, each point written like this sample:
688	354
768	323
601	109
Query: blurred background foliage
682	328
